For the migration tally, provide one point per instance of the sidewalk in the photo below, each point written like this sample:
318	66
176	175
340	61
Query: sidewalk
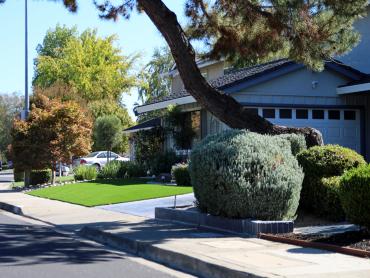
205	253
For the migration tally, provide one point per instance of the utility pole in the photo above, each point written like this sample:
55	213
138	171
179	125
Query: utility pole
26	110
26	96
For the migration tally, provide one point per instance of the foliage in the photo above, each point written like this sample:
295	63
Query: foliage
162	162
180	173
297	142
324	162
180	126
91	65
40	176
84	172
154	84
110	170
10	107
307	32
130	169
148	145
327	200
355	195
240	174
107	132
105	192
54	132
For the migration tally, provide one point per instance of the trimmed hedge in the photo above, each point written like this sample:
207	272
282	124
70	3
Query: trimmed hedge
297	142
240	174
355	195
40	176
320	195
84	172
180	174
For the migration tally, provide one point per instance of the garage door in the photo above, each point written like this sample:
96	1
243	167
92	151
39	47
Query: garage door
338	126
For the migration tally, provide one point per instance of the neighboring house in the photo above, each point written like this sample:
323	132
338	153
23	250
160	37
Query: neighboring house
335	101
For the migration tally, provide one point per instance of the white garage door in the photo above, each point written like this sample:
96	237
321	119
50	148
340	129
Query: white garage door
338	126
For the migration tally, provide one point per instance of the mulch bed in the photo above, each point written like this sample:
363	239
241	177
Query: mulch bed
356	243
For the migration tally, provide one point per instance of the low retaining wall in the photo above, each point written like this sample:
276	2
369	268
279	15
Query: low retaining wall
240	226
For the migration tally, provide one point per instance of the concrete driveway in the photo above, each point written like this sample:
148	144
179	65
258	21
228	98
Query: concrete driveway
146	208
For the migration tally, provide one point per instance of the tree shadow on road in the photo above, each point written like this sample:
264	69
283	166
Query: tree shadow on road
30	244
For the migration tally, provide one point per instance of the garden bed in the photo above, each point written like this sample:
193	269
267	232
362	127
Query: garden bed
355	243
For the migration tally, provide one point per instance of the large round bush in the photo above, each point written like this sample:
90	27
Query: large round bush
355	195
240	174
324	162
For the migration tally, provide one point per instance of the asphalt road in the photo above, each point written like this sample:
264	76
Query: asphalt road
36	251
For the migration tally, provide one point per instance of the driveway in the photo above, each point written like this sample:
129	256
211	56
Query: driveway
146	208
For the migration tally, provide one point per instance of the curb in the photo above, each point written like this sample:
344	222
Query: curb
166	257
11	208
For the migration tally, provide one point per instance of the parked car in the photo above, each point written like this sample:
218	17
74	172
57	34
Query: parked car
98	159
65	170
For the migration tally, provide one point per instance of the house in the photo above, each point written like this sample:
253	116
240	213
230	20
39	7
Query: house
335	101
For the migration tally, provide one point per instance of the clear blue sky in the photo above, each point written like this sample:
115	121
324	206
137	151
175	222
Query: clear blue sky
136	35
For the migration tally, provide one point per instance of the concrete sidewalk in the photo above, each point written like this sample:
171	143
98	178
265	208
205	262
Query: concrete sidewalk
199	252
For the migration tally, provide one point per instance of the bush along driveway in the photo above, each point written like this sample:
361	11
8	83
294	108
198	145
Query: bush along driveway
104	192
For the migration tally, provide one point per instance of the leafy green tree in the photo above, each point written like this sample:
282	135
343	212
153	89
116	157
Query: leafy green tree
107	133
54	132
154	82
87	69
10	107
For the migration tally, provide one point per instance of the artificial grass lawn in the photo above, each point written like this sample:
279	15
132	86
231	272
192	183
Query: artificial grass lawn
104	192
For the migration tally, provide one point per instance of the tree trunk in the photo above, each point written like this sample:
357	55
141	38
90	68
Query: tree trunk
223	106
27	177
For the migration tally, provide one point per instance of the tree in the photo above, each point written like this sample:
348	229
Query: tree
87	69
10	106
154	83
107	133
54	132
311	30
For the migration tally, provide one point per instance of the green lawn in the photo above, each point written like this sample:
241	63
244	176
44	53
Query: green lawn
109	192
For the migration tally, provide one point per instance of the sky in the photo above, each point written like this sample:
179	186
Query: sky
136	35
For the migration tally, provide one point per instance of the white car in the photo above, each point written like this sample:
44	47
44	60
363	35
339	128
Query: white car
99	159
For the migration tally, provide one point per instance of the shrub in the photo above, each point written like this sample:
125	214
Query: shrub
18	175
130	169
297	142
40	176
84	172
110	170
355	195
327	201
324	162
180	174
163	162
241	174
329	160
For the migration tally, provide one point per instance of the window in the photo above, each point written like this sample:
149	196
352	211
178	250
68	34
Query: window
301	114
318	114
334	115
285	113
268	113
253	110
102	155
350	115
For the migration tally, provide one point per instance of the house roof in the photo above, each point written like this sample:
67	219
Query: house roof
259	73
356	86
156	122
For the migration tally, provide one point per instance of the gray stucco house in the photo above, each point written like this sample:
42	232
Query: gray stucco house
336	101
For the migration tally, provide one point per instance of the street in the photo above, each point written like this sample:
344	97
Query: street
33	250
6	176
